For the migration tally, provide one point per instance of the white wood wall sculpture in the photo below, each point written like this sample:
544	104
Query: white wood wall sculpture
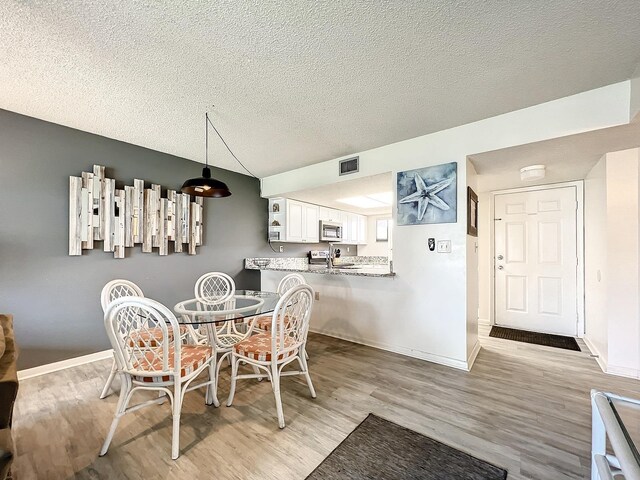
122	218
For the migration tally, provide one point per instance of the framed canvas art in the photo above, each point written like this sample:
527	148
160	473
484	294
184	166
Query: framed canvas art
472	213
428	195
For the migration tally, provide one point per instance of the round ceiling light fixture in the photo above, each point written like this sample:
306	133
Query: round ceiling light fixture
532	173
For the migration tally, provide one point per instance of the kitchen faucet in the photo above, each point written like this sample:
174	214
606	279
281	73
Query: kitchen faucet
331	255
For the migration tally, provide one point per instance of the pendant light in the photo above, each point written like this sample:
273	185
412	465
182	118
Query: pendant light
206	186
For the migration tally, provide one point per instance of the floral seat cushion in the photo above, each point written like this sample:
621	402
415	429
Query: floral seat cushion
152	337
192	357
263	322
258	347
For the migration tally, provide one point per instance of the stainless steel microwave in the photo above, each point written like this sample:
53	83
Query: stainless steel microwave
330	231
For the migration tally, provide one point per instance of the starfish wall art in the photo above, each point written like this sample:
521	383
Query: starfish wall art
428	195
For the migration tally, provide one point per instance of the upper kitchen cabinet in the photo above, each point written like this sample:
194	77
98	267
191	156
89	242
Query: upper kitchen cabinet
362	230
311	230
292	221
299	222
354	228
330	215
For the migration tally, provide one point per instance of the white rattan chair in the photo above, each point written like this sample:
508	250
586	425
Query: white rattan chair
166	366
271	352
263	322
111	291
215	291
214	287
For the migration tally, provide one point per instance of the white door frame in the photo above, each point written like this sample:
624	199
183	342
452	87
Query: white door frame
579	185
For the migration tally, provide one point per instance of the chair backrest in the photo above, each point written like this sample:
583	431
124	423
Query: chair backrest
214	287
141	332
290	321
290	281
116	289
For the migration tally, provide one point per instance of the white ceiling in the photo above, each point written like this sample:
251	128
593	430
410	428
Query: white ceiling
295	83
566	158
328	195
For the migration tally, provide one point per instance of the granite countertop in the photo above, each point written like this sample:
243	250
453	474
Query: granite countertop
358	269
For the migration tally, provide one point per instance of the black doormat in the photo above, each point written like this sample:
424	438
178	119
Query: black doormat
558	341
379	449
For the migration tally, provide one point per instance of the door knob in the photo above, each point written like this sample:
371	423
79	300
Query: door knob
500	267
500	257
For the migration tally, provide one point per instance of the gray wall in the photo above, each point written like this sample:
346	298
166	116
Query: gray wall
54	297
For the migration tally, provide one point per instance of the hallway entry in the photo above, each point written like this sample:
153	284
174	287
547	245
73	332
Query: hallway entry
536	260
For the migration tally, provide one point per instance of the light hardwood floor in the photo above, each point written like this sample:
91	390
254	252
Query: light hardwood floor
522	407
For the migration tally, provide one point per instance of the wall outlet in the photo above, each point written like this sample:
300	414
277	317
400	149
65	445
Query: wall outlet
281	248
348	249
318	296
443	246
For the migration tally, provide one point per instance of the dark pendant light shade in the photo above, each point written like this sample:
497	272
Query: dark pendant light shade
205	186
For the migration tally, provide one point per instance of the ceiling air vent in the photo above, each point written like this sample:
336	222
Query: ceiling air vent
350	165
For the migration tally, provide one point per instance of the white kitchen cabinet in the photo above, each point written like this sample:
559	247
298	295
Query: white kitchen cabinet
362	230
294	222
301	222
346	227
330	215
311	230
351	228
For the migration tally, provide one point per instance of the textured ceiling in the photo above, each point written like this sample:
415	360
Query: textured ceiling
328	195
566	158
295	83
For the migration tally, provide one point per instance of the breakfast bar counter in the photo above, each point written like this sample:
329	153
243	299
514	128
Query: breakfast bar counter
353	266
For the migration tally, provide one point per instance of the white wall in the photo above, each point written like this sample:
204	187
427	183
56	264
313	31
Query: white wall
635	94
622	263
472	280
485	258
612	248
426	303
360	309
595	262
374	248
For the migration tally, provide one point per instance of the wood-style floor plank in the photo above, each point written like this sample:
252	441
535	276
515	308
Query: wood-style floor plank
523	407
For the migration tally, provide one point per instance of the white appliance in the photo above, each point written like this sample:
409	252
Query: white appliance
330	231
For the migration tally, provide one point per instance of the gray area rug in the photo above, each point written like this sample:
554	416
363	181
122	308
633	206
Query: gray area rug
380	449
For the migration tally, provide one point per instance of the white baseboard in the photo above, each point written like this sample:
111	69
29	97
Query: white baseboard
602	362
484	321
409	352
72	362
606	367
623	371
472	357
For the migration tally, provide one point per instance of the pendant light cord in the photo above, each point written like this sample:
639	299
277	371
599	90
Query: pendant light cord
206	139
208	120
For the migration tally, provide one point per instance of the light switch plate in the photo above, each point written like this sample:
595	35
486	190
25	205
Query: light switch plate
443	246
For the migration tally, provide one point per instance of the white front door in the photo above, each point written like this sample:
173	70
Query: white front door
536	260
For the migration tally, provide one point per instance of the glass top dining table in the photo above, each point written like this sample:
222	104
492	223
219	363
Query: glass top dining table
243	305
